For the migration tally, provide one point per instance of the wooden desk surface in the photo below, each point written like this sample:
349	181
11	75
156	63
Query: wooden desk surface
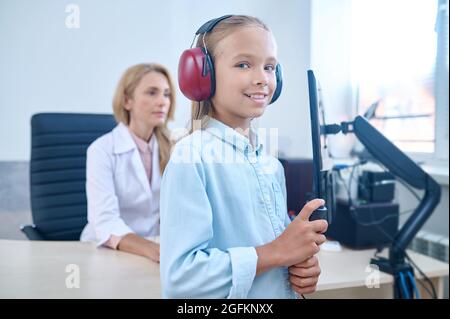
37	269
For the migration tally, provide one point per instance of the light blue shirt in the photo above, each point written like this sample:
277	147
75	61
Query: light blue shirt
220	198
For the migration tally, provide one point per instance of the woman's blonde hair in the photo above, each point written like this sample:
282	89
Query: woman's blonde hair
201	111
125	90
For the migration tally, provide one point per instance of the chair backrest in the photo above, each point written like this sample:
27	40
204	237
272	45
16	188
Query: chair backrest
58	170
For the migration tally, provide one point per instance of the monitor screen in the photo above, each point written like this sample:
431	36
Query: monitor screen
322	165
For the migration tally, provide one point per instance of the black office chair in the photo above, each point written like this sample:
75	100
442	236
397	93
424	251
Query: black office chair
58	172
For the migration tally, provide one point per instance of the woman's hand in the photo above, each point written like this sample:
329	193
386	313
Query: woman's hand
135	244
304	276
153	251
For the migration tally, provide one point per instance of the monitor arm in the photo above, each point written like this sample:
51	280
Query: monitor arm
404	168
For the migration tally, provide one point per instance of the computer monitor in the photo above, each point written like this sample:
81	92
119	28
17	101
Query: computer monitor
322	166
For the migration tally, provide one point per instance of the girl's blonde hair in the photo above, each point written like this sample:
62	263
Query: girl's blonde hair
125	90
201	111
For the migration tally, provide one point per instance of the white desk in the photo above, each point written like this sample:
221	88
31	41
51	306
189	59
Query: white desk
344	275
37	269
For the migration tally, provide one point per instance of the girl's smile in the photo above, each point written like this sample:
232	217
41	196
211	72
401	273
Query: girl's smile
245	64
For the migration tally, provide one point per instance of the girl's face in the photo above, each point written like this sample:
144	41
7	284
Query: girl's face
245	64
150	102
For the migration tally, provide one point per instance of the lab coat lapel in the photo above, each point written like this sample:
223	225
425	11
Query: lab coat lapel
123	142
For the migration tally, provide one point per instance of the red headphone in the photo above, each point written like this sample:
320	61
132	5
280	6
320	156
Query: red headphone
196	75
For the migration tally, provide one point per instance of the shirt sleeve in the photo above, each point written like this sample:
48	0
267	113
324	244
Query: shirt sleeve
113	241
103	205
191	267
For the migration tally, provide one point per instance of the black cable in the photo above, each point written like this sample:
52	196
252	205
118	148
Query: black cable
409	188
432	293
377	222
425	277
352	212
348	189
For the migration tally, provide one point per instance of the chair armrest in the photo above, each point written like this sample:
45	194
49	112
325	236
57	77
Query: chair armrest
31	232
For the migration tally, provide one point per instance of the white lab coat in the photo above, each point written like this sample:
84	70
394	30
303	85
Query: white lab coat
120	198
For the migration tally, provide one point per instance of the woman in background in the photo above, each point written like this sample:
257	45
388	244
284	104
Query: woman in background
124	166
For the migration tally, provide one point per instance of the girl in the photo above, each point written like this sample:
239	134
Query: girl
225	231
124	166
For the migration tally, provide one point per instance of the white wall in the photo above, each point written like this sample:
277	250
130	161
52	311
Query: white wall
438	223
331	63
46	67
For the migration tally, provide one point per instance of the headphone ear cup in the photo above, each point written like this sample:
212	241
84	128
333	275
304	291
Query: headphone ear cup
279	79
196	74
210	68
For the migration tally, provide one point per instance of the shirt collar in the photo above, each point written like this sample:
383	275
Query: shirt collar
123	142
142	145
231	136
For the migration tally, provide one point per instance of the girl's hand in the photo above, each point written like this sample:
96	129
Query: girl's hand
301	239
304	276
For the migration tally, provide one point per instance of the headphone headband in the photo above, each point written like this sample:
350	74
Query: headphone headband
196	75
208	26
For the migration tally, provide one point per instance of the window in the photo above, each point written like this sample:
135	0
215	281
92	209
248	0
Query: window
400	67
442	82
